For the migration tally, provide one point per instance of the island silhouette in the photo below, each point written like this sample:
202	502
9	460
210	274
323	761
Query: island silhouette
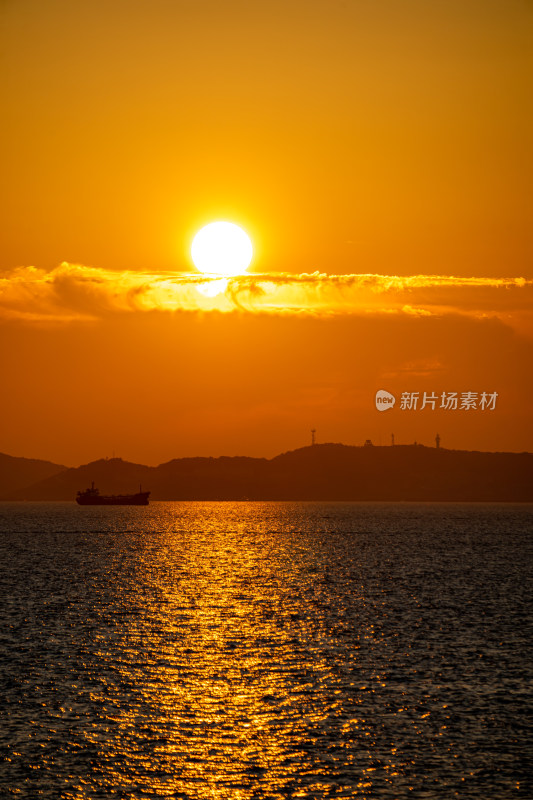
318	472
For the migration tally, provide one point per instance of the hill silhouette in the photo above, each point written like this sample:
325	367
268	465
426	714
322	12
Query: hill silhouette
318	472
114	475
16	473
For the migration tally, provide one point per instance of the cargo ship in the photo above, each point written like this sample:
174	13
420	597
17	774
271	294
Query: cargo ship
92	497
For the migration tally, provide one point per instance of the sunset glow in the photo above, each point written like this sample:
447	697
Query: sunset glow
227	225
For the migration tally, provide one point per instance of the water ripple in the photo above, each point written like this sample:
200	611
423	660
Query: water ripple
266	650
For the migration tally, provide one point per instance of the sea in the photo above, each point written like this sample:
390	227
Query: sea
266	650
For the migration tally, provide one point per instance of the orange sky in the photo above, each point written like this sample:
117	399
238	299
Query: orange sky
352	140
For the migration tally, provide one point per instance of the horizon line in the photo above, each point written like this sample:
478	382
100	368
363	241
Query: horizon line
364	446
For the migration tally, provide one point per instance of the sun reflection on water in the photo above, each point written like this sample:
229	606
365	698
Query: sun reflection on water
240	680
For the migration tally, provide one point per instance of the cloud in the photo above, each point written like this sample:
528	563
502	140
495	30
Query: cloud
76	292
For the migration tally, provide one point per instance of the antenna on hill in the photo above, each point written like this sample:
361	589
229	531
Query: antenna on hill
313	431
392	439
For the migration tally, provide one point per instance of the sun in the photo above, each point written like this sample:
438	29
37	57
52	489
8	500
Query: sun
222	248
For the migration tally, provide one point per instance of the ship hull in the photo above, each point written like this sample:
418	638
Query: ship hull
139	499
